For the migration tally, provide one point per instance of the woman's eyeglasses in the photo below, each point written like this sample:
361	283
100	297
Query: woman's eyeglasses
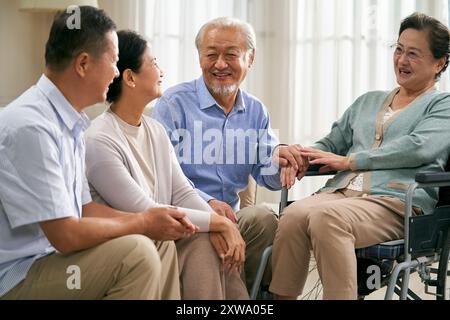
412	55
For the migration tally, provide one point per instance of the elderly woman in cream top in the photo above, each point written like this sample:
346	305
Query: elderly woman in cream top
131	166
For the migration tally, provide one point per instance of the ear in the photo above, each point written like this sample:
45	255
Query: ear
128	78
251	58
82	63
441	64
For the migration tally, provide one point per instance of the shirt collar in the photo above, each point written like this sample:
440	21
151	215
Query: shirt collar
73	120
207	100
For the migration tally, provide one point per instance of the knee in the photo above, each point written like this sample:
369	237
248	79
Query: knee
259	218
141	251
198	246
202	243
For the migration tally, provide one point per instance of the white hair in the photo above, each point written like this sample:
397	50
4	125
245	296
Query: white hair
226	22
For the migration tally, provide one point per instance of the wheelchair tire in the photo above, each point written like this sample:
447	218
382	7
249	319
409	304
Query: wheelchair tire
443	279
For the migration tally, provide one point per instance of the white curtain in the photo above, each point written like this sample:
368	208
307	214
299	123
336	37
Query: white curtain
314	57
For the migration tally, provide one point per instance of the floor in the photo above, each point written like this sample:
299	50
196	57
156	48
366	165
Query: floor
313	288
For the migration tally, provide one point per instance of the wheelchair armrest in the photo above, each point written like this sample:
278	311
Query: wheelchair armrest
433	177
313	170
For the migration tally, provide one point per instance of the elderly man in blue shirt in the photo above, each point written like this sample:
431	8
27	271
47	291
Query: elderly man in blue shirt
55	243
222	134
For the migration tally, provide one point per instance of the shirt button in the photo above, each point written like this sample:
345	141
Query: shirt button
377	137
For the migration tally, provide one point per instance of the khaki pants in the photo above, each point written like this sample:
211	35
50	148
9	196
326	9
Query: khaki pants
201	273
128	267
257	225
332	226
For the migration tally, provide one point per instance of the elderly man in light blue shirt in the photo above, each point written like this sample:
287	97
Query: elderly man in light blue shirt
55	243
222	134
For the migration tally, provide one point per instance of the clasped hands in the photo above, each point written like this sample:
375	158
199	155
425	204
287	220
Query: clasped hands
294	161
229	245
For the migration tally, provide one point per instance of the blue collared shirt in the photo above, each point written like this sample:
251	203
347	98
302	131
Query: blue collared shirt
41	173
218	152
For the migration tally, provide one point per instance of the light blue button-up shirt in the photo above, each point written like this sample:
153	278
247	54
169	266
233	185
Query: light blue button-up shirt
41	175
218	152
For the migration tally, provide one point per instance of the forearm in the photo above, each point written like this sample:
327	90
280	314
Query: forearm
74	234
405	152
94	209
206	197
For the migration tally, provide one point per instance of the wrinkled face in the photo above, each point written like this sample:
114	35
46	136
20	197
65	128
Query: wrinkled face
224	59
415	66
149	78
104	69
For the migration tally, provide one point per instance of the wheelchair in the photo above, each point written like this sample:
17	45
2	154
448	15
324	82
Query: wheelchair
426	243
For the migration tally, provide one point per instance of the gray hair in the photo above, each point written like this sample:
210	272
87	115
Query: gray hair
224	22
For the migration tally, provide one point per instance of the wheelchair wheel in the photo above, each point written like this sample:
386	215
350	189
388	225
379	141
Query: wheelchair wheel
443	277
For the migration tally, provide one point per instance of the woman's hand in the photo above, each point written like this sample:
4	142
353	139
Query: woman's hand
228	242
330	161
293	163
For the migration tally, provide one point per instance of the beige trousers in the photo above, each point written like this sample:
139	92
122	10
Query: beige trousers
332	226
201	273
257	225
128	267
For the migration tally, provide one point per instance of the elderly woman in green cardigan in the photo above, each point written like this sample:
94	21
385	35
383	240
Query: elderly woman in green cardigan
377	147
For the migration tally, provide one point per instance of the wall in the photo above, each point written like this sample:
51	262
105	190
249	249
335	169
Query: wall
22	37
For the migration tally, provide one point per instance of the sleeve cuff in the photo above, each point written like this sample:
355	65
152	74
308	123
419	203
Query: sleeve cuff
199	218
203	195
360	161
352	163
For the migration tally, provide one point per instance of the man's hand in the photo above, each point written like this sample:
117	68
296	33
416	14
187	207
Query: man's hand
291	156
330	161
223	209
165	224
293	162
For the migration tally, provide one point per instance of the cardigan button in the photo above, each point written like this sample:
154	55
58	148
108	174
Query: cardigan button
377	137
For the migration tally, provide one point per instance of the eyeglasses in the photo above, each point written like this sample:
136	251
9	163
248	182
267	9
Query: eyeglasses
411	54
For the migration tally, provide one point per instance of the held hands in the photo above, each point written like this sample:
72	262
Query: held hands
228	243
166	223
292	162
328	160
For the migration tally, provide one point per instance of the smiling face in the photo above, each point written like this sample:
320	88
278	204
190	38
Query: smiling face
104	70
149	78
224	59
415	66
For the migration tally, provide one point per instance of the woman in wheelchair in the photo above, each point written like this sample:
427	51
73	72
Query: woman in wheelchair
376	147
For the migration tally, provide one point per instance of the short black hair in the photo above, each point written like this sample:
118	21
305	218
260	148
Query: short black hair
438	35
65	43
132	47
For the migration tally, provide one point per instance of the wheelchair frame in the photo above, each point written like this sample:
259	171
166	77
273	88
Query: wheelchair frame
400	275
